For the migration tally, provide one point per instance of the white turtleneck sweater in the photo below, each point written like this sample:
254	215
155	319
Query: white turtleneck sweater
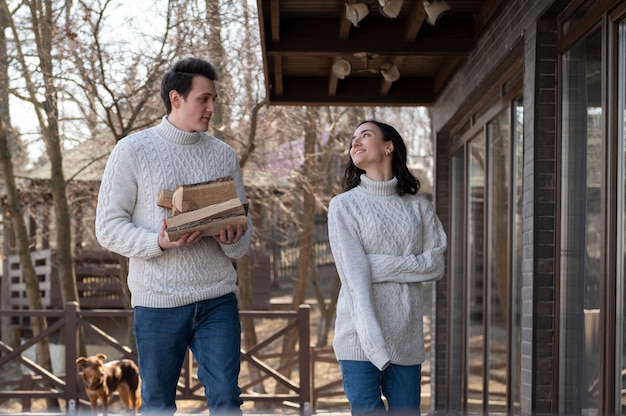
128	219
384	246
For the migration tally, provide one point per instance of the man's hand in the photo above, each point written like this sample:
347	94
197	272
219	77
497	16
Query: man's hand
230	234
185	240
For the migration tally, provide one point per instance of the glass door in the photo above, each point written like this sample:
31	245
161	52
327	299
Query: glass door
582	230
476	353
621	221
485	266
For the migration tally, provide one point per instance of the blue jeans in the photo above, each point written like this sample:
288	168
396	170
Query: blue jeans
363	384
212	330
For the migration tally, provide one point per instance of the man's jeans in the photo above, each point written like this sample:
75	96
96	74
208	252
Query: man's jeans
363	384
212	330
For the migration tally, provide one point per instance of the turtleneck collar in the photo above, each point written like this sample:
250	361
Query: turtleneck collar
378	188
175	135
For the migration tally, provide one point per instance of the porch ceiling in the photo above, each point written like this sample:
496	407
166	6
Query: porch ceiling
302	39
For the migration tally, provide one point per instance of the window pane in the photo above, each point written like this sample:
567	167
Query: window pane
516	276
498	257
621	232
581	230
456	248
476	278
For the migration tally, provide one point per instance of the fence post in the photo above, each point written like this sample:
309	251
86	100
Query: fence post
305	364
71	354
27	385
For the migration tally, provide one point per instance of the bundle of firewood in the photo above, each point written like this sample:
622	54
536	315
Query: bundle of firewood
207	207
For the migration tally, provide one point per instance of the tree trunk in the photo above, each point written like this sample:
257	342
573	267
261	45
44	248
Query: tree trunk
308	212
13	209
126	301
327	312
43	25
308	221
217	55
249	333
6	332
29	275
43	30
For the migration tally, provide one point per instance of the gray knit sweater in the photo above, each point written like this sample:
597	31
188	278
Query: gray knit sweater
128	219
384	246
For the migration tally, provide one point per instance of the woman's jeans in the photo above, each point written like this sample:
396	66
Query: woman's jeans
363	384
211	329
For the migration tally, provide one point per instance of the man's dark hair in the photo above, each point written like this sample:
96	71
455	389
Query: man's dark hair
407	183
179	78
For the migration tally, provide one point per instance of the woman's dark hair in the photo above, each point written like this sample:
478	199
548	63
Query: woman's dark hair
407	183
180	76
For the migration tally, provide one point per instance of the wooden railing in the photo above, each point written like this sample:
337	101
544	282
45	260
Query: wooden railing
291	370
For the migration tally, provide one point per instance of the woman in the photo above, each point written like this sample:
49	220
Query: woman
386	241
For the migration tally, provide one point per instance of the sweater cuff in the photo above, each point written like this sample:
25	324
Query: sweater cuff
154	249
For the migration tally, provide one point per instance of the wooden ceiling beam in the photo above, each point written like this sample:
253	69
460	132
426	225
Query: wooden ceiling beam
354	91
275	20
414	22
344	33
344	24
302	39
460	46
278	60
278	75
386	85
416	19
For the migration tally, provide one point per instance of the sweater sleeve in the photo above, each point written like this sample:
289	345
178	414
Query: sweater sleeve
117	198
354	271
426	266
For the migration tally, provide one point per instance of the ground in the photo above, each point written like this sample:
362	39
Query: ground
325	372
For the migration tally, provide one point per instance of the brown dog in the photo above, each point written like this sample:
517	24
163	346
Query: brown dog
103	379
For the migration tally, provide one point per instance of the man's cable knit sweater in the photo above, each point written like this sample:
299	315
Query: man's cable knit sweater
384	246
128	219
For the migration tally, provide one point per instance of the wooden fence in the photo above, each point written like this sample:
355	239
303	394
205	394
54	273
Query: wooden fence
293	371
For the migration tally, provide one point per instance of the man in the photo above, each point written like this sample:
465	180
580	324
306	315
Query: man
183	292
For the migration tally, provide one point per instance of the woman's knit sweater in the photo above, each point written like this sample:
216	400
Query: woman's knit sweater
384	246
128	219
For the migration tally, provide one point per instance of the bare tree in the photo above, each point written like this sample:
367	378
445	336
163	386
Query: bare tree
14	211
305	257
43	95
115	87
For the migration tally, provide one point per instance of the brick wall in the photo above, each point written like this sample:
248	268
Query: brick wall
440	301
539	256
508	26
516	20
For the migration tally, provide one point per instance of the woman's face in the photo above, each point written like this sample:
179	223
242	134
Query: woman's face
368	148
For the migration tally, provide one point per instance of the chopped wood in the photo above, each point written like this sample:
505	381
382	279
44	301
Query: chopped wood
165	198
193	197
210	228
210	219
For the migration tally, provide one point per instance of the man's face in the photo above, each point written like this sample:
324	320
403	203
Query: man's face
194	112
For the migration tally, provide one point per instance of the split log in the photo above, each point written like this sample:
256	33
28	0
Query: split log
192	197
210	219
